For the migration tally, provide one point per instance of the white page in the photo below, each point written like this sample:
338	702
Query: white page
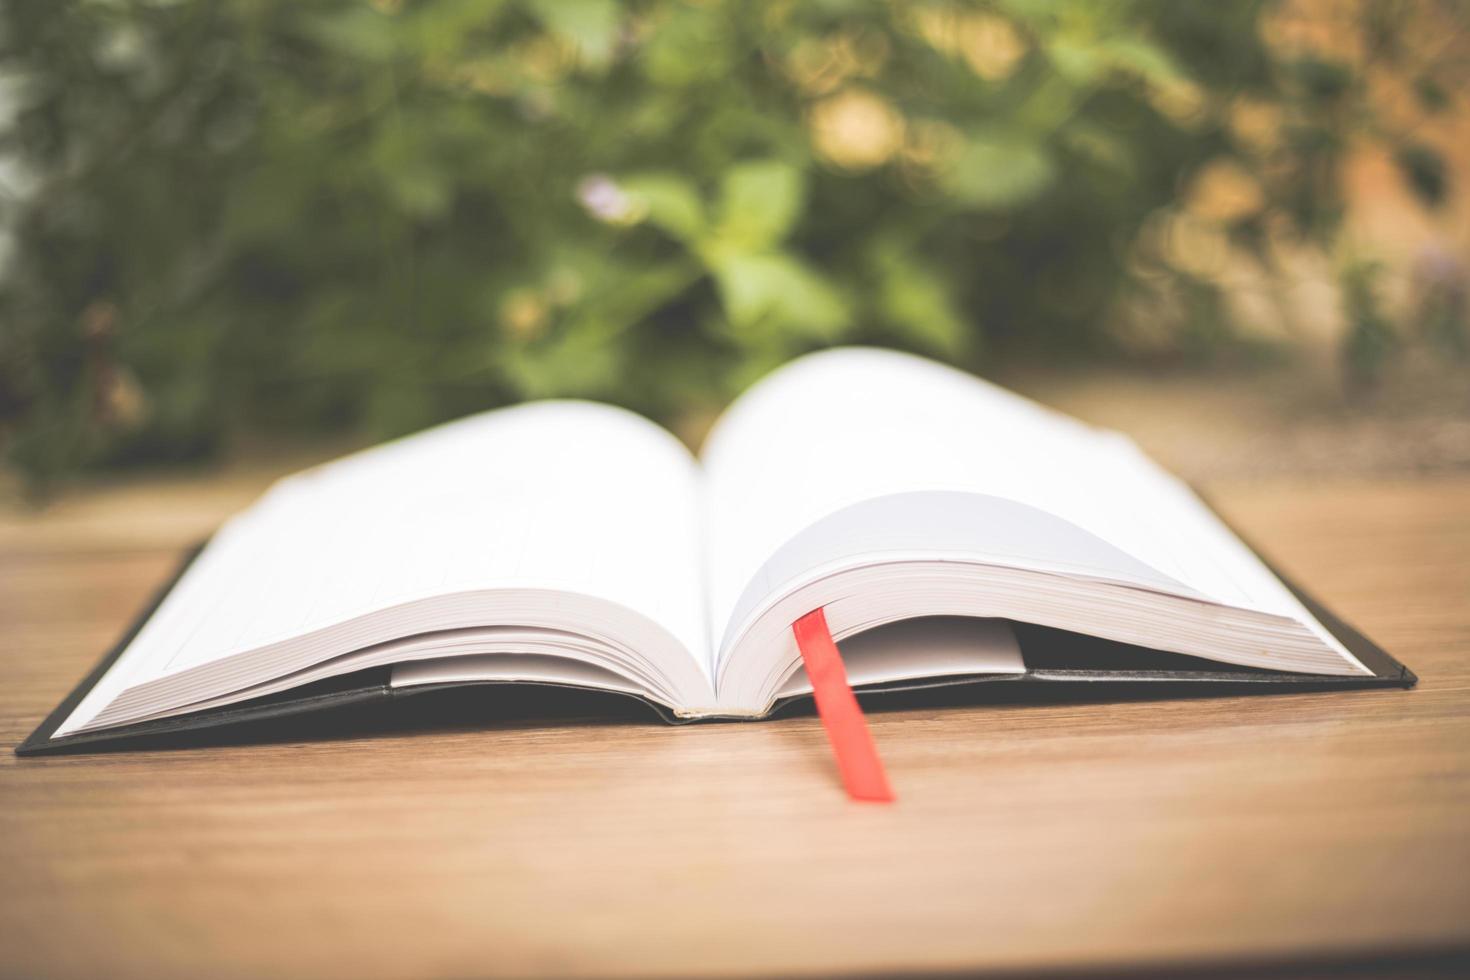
500	667
927	647
840	427
567	496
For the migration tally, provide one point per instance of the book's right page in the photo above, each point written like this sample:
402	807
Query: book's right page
835	429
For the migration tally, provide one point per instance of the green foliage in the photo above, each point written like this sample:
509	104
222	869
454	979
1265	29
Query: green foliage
329	214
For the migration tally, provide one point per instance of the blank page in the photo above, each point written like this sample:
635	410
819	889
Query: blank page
921	649
835	428
568	496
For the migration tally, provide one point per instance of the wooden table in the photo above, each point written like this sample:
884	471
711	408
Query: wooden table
1293	832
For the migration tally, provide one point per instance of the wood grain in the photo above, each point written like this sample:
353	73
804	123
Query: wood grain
1067	835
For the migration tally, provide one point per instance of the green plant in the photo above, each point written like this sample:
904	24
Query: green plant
329	214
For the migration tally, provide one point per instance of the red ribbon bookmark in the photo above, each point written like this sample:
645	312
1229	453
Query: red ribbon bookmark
847	730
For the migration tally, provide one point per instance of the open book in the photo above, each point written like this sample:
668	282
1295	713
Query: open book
577	544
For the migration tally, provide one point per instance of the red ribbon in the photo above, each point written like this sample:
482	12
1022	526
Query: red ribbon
847	730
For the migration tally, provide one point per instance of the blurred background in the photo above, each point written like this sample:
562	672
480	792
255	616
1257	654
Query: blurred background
1239	230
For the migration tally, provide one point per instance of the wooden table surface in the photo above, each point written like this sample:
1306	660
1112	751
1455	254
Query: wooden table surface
1308	833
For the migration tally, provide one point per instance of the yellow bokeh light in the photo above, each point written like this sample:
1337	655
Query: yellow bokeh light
856	129
991	46
1223	191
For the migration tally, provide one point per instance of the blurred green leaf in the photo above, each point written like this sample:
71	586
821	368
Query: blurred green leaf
1143	58
692	44
1084	60
999	170
919	302
570	364
590	25
1077	60
777	290
759	204
672	203
358	31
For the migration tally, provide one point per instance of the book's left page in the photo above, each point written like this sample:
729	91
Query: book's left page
577	520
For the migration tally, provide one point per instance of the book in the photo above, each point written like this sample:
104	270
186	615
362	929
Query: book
953	532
